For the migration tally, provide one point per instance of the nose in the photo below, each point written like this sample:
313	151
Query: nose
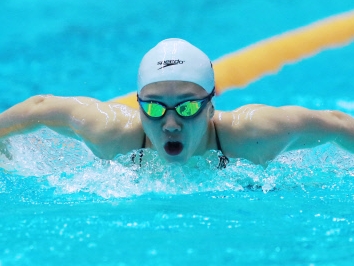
171	123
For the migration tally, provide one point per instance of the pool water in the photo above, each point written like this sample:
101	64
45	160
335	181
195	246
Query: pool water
61	205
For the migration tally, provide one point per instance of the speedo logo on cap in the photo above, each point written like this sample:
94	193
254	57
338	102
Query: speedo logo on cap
167	63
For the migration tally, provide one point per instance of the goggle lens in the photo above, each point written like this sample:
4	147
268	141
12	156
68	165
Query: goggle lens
189	108
153	109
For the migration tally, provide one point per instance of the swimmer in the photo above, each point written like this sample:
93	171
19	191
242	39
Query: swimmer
176	116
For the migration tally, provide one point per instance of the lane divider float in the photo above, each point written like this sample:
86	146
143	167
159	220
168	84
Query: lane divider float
238	69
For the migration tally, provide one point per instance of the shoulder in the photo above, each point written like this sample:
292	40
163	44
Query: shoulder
258	116
253	132
243	118
108	128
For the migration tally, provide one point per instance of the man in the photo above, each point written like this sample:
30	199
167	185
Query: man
177	118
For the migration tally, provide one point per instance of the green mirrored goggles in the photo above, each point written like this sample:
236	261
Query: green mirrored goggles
190	108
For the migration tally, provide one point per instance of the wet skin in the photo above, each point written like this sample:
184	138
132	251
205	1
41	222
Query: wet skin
254	132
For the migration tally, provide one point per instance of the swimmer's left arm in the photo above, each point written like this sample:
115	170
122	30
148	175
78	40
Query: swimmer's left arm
259	133
314	128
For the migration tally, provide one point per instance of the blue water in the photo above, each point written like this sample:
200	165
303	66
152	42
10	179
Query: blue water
61	205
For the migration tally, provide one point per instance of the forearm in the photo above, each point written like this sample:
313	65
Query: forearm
29	115
345	135
19	118
318	127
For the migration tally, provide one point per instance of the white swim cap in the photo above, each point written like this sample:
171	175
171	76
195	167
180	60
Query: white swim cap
176	59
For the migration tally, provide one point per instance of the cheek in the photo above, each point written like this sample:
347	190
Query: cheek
146	123
151	128
198	127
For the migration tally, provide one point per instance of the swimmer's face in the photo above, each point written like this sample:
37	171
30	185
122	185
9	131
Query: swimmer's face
176	138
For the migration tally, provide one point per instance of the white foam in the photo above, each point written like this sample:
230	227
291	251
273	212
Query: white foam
68	167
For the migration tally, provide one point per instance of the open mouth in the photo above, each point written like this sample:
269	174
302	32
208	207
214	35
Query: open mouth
173	147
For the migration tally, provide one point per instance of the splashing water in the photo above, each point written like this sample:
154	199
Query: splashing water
52	187
52	162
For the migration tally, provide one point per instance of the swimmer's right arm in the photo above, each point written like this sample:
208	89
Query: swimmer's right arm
42	110
106	128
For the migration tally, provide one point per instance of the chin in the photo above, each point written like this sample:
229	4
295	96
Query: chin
175	159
